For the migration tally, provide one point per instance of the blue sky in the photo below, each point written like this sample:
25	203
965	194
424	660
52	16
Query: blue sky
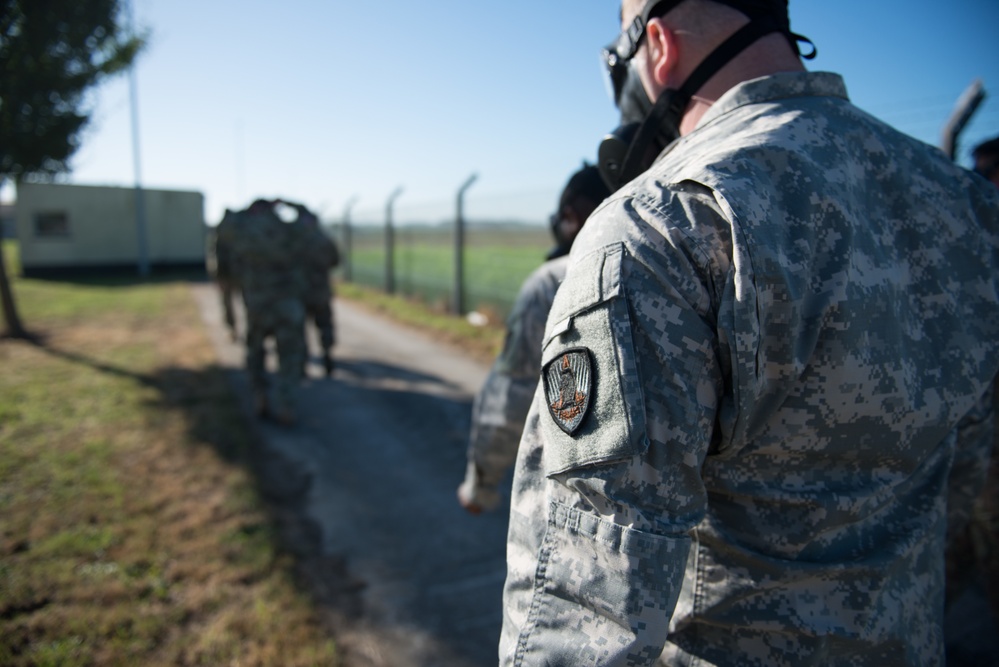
322	101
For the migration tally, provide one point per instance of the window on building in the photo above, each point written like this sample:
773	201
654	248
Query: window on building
52	225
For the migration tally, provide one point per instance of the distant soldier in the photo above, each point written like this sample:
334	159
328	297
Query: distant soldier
221	266
986	156
272	279
319	255
501	406
973	551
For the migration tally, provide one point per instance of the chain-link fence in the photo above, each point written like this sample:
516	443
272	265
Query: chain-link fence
497	252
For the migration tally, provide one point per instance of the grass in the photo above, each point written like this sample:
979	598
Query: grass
496	262
133	532
482	342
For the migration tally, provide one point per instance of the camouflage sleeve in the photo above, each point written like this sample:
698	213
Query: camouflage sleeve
621	488
322	249
501	405
972	444
221	241
211	253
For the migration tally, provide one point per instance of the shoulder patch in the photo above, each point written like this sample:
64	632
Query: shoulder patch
568	386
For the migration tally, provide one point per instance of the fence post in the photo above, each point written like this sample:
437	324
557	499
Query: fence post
458	301
348	240
966	107
390	243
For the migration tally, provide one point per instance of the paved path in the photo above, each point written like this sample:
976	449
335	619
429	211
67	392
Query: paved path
383	442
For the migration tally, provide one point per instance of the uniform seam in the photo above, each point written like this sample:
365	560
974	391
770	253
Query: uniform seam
698	589
540	577
693	242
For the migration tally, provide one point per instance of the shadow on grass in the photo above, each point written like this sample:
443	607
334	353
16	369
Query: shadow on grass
215	418
434	559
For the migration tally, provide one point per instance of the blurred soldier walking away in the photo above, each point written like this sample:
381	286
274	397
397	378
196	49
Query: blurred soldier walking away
319	255
501	406
221	266
767	382
272	282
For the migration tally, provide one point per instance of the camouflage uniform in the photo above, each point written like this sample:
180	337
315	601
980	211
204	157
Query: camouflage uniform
221	266
319	255
779	346
272	282
501	406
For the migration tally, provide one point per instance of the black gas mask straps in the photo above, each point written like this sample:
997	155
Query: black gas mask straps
631	148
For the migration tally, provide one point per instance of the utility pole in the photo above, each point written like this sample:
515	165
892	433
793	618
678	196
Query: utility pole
347	240
140	204
458	302
390	243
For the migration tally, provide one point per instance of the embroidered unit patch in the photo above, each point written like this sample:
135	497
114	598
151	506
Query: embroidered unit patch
568	386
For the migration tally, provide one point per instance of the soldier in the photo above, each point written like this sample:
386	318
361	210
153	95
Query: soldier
783	333
973	553
272	282
319	256
502	404
221	266
986	156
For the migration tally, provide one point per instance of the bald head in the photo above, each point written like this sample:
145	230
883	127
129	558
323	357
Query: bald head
677	42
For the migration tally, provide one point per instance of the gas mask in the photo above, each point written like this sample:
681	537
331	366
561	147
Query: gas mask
646	128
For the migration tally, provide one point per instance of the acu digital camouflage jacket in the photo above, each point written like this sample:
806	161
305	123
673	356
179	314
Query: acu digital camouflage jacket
765	394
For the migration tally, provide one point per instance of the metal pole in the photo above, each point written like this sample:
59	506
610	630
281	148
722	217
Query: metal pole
140	206
347	240
965	108
458	303
390	243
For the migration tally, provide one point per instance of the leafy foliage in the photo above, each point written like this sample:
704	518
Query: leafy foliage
51	53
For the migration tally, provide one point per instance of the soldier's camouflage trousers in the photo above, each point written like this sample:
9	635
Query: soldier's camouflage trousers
227	287
320	311
283	319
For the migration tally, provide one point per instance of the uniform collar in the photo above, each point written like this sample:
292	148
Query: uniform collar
775	87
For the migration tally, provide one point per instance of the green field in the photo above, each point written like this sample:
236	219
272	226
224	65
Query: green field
496	262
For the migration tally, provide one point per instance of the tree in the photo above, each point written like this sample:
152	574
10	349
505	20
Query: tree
52	53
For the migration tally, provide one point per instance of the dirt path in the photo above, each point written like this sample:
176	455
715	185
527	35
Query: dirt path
377	456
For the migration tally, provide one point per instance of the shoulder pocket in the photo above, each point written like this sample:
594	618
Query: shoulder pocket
594	409
595	278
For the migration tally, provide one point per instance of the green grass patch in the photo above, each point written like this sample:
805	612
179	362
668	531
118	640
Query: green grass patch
496	262
132	532
483	342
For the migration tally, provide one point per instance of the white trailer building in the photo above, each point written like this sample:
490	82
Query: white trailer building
73	228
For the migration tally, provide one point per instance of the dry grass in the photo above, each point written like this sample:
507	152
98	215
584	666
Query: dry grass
133	532
482	343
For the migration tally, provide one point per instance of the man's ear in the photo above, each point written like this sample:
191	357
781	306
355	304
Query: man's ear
663	51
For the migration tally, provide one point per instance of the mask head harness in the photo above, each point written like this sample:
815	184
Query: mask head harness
647	128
